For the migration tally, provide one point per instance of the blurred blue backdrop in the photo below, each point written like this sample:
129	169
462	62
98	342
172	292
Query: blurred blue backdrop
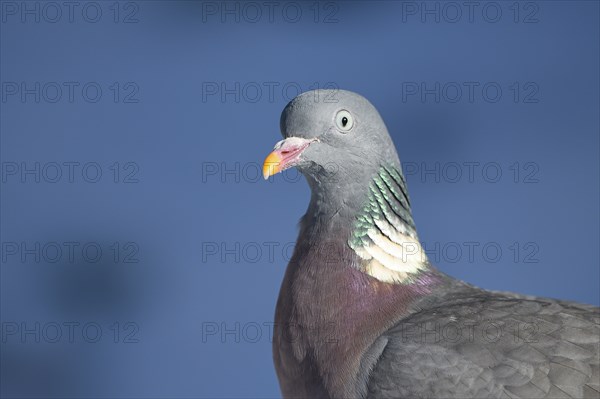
141	251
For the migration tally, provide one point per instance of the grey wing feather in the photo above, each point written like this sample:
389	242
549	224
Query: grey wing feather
492	345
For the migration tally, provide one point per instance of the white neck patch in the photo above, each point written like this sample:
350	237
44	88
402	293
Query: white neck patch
384	237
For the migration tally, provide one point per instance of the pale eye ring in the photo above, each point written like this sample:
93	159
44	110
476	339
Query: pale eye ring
344	120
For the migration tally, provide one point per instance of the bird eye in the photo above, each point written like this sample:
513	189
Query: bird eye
344	120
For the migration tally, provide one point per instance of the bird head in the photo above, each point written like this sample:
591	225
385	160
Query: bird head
331	136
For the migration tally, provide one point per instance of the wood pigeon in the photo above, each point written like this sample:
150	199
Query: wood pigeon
363	314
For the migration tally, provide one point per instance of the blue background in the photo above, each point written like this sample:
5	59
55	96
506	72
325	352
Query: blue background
200	218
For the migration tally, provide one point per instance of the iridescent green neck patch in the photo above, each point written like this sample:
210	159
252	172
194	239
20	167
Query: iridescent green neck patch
384	235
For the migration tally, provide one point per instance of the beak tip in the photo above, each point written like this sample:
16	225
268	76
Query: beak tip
272	165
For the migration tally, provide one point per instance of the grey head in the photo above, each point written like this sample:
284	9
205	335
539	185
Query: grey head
336	138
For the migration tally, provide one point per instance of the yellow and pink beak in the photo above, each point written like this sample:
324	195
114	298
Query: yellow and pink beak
285	155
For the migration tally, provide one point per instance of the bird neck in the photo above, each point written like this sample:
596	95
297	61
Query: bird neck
375	222
349	278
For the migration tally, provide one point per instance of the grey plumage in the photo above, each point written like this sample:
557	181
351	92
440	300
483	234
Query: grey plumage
362	312
480	344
